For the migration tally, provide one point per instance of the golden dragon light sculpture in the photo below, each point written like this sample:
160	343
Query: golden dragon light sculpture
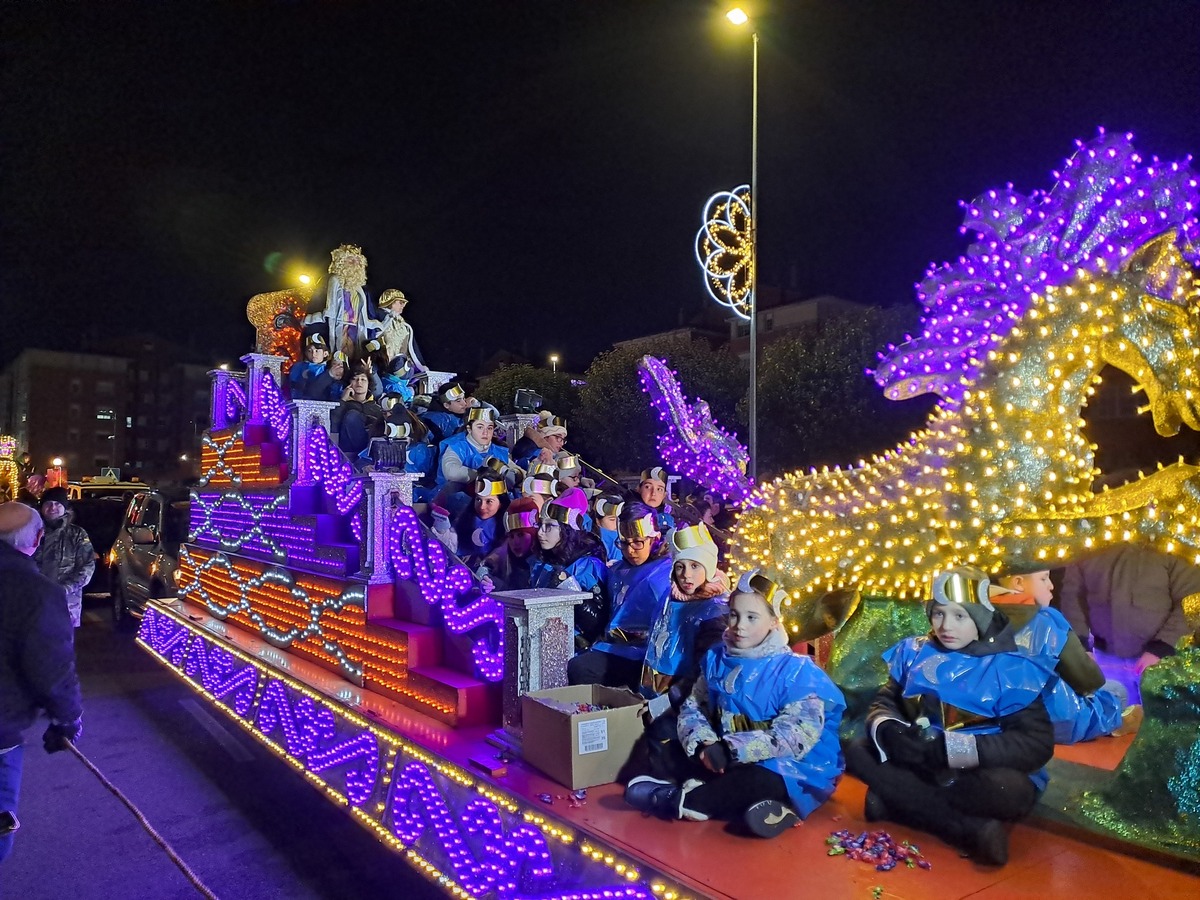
1098	271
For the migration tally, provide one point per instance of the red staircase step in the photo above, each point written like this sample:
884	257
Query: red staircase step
424	642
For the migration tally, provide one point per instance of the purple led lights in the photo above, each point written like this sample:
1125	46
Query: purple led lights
332	471
422	559
221	674
1105	204
693	444
275	409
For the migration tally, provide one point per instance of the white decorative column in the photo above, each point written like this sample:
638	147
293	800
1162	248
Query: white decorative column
306	416
539	638
385	492
434	380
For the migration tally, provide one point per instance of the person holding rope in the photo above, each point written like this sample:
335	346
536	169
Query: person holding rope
37	658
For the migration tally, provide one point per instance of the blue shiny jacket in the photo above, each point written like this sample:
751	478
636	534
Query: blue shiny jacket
777	710
470	455
638	595
1076	717
676	640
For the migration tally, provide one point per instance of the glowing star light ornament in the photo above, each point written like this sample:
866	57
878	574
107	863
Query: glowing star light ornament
725	249
1100	270
693	443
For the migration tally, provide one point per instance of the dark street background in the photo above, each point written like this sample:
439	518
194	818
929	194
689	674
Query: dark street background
242	819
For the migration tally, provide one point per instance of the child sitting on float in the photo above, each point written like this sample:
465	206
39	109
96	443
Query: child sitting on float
447	411
759	730
652	488
302	374
507	567
328	385
542	442
690	621
390	376
638	586
359	417
568	471
606	511
1082	704
959	734
463	455
569	557
480	527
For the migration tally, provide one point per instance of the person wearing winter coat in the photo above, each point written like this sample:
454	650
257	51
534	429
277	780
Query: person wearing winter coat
958	736
759	730
65	555
37	656
569	557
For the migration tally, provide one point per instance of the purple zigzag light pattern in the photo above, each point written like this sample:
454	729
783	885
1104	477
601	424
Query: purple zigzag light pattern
1105	204
235	401
164	636
693	444
308	730
482	856
274	406
487	843
332	471
219	673
421	559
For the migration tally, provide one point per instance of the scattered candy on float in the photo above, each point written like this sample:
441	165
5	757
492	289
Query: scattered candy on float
877	848
546	798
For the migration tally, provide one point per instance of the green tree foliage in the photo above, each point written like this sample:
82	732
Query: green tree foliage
558	394
816	405
615	428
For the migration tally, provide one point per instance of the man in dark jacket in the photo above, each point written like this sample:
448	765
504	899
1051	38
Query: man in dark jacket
65	555
37	658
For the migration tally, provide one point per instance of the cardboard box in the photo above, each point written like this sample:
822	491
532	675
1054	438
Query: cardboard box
581	749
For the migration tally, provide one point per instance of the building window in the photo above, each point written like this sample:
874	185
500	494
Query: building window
73	436
129	421
73	411
743	329
76	385
104	387
104	414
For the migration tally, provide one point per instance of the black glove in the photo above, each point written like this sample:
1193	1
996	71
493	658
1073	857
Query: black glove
718	756
55	737
912	746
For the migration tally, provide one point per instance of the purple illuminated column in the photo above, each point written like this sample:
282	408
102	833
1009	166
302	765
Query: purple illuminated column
258	364
221	381
539	638
306	416
385	491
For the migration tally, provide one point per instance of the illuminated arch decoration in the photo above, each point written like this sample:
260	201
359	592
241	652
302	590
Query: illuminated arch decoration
1098	270
466	835
692	443
278	320
725	249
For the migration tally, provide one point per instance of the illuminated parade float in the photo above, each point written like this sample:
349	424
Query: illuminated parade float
317	611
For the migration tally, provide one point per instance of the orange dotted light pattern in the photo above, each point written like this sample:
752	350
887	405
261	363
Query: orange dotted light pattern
323	619
226	457
278	318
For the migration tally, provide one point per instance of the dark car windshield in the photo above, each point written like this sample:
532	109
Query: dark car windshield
101	518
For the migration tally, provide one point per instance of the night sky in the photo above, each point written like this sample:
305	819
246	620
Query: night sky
531	171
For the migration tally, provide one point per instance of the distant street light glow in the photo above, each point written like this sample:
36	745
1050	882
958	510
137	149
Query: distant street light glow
306	279
737	16
57	462
554	362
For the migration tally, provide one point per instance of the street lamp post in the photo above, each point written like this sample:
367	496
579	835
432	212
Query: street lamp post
554	363
738	17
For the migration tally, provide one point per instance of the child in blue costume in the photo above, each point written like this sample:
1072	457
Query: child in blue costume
639	585
464	455
652	488
302	374
480	527
569	557
1081	703
760	728
606	512
541	442
959	734
447	411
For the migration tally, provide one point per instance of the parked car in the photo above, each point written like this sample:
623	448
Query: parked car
145	555
101	518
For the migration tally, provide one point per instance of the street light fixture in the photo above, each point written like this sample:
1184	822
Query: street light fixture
738	17
554	362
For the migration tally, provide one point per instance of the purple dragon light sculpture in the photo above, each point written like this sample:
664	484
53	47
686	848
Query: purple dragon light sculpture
693	444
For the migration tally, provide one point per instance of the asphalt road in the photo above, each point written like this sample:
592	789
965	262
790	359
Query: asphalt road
244	822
